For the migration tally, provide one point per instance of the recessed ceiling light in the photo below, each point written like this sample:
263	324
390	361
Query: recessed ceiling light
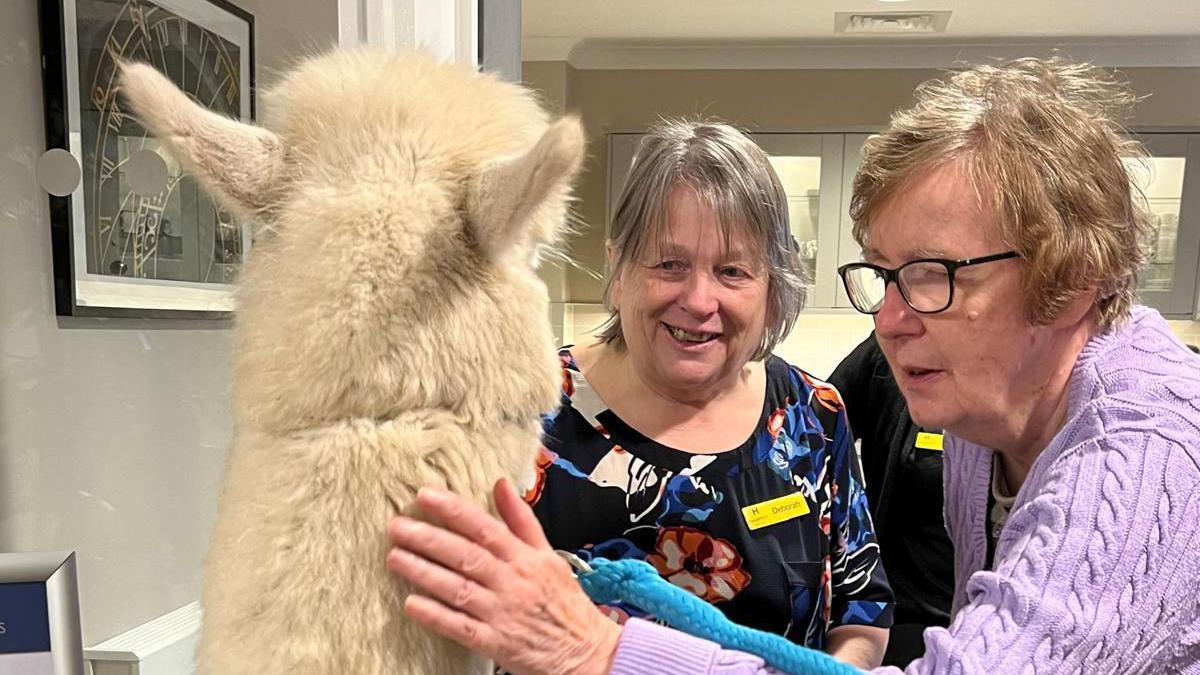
891	22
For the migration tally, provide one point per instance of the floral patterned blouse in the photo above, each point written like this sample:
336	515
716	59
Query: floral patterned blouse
810	563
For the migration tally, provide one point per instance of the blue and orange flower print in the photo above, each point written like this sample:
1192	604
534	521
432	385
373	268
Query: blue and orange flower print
709	567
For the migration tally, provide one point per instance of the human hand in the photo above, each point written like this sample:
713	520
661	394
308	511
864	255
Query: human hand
497	587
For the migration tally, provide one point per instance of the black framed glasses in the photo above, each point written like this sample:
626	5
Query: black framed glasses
927	284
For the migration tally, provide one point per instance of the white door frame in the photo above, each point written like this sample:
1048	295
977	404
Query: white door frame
449	29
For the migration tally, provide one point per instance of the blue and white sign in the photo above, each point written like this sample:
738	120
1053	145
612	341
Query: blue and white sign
24	630
39	615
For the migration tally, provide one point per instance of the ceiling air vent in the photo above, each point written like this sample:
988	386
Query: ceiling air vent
891	22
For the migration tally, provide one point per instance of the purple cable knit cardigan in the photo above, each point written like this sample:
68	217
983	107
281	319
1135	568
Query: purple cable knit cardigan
1098	568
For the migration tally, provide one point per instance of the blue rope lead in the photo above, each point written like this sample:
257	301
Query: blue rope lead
639	584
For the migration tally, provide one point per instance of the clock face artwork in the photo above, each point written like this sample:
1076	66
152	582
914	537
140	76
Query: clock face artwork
144	218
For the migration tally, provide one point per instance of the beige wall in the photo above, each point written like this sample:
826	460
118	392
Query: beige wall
768	100
550	79
286	30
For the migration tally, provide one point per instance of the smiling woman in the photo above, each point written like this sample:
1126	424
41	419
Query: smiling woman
678	423
690	311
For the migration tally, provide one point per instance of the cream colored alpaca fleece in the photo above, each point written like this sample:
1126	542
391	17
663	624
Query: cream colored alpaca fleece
391	333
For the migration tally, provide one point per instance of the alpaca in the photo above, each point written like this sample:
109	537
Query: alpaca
391	334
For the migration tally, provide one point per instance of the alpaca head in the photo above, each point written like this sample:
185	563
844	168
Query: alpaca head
401	203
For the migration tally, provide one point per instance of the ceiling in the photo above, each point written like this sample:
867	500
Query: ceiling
568	29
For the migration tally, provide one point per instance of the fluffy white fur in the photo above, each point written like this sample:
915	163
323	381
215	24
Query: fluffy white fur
391	334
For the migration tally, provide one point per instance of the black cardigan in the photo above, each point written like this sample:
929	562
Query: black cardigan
903	484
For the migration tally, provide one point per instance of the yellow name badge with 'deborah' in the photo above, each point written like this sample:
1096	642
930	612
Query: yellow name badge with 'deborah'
775	510
928	441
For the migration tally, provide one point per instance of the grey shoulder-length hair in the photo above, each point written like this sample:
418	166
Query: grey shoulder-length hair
735	178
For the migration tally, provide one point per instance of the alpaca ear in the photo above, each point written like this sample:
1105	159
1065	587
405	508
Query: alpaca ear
242	164
509	193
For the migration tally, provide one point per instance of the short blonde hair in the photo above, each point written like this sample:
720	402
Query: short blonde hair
734	177
1042	142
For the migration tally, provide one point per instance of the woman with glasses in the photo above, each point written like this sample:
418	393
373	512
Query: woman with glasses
1002	242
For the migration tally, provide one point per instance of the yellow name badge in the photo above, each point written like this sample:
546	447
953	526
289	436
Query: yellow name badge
928	441
775	510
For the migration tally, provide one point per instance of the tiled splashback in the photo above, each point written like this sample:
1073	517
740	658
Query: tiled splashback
1188	331
817	343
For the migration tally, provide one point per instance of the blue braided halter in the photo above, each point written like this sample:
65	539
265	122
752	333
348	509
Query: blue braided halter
639	584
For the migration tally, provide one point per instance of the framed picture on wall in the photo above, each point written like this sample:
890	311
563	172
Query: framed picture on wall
135	236
39	615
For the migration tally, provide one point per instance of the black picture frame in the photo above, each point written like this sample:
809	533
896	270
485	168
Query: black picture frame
117	253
